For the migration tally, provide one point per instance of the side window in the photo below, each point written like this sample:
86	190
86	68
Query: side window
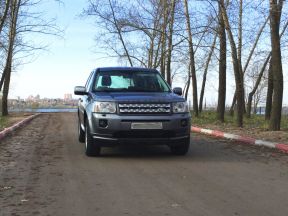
88	83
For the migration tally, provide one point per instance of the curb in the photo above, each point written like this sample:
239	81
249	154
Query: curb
248	140
9	130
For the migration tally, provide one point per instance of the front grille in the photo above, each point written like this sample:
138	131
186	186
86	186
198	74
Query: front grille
144	108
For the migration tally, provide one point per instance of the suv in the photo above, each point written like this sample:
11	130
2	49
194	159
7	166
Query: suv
129	106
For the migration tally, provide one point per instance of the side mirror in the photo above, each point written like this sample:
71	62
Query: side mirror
80	90
177	91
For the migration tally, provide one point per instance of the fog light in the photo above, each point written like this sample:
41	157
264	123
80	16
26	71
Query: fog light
103	123
184	122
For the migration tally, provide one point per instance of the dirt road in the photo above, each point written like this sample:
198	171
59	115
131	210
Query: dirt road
43	171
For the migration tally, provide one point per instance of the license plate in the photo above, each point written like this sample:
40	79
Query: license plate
146	125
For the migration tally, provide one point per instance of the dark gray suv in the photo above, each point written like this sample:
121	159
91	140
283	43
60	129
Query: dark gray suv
130	106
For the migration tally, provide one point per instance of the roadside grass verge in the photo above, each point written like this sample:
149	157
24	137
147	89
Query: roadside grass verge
11	119
256	121
3	122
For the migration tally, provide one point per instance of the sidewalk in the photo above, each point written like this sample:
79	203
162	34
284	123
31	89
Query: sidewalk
243	139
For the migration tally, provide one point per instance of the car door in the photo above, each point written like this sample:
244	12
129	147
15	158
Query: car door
85	99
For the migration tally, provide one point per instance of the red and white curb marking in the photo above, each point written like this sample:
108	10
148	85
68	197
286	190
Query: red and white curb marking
247	140
9	130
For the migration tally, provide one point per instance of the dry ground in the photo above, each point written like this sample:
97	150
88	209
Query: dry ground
43	171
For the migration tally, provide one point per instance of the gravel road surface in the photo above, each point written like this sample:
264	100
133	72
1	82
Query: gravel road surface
43	171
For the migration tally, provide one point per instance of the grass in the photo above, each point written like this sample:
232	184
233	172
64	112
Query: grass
3	122
11	119
256	121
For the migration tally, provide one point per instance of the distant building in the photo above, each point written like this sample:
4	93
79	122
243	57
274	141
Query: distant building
32	98
67	97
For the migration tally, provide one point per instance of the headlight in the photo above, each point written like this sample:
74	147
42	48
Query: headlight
180	107
104	107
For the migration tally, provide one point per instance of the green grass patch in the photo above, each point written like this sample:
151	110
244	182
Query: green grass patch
256	121
3	122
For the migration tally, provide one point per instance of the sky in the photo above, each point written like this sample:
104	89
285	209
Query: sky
69	60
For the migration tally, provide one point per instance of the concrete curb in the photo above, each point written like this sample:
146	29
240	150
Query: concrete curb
248	140
9	130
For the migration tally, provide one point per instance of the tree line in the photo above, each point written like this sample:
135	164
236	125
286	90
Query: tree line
197	39
191	39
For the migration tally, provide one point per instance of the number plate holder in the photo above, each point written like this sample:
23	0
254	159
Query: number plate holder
146	126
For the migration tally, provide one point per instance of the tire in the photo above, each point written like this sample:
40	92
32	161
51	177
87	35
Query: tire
91	149
181	149
81	133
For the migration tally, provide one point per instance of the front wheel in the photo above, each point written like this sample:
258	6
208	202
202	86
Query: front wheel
91	149
181	149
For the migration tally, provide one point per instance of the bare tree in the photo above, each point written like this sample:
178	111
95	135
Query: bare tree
163	37
14	11
269	96
21	21
208	60
109	15
170	40
270	84
3	13
236	67
256	85
222	66
192	67
250	53
275	18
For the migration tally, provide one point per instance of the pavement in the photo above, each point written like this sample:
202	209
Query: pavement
242	139
44	171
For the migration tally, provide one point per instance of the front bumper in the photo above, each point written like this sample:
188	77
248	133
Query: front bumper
176	128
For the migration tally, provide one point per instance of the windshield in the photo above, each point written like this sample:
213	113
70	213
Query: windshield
132	81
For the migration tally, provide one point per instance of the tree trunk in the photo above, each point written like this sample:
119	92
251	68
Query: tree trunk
236	67
248	61
231	111
222	69
239	51
205	73
15	6
163	39
275	17
192	60
188	84
269	92
170	42
6	90
269	97
251	94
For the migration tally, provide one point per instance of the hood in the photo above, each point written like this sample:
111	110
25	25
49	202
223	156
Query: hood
135	97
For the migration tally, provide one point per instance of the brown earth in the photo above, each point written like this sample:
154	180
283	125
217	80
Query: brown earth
43	171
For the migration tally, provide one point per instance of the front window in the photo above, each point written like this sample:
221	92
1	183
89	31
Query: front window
131	81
